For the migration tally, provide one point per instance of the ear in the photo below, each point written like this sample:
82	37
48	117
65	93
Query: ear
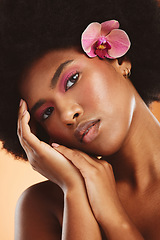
123	66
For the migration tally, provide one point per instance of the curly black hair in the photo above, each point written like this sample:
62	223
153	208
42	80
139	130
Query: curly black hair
30	28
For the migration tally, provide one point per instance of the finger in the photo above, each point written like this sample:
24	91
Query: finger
27	139
32	142
98	162
20	114
77	158
22	108
26	135
108	168
24	143
88	166
88	158
106	165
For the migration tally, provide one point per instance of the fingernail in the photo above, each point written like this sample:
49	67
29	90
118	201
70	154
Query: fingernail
54	145
21	101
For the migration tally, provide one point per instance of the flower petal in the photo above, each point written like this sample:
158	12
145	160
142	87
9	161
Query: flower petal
90	36
107	26
101	53
119	42
108	56
91	53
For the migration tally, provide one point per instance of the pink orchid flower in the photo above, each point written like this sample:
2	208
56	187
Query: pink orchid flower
105	40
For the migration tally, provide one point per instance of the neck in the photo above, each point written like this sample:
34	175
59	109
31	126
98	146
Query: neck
138	160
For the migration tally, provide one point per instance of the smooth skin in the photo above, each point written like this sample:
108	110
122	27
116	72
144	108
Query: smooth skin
120	192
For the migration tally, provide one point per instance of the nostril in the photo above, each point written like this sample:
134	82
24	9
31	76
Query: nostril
75	115
69	124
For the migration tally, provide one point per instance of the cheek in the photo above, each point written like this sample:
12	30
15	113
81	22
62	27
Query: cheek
118	124
93	94
53	127
56	131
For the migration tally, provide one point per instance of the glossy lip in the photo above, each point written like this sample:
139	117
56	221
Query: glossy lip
83	128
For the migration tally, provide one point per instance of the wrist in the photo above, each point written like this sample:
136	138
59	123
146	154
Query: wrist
120	225
78	216
111	211
74	188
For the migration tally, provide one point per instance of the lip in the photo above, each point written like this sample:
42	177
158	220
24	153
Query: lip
87	131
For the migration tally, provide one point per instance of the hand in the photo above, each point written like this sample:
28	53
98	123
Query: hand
100	183
78	219
44	158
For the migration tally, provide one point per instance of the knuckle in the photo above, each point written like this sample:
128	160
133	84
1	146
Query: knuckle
69	152
40	154
75	153
101	167
62	149
18	129
94	172
24	136
19	132
107	165
110	166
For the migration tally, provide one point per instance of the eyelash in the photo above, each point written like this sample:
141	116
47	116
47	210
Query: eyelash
73	79
48	112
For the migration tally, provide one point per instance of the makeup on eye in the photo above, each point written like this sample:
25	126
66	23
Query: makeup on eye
69	77
71	80
44	112
42	109
47	113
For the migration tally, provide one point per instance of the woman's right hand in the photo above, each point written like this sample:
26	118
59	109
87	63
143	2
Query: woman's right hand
43	158
78	219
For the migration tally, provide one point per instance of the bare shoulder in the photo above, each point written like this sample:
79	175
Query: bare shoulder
39	212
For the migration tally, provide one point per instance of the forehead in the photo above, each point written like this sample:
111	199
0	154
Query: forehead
51	60
42	70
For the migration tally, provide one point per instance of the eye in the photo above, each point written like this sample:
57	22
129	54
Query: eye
47	113
71	81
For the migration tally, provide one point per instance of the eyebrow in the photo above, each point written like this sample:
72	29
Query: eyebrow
58	72
37	105
52	85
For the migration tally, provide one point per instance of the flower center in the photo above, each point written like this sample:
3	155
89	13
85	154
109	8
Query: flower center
102	44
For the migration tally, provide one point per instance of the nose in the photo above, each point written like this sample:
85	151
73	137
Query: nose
70	112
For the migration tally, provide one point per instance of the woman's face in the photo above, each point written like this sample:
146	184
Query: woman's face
82	103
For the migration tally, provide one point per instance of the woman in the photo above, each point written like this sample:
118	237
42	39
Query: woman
102	155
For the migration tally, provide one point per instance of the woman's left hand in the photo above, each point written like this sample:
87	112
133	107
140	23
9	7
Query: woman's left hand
102	194
100	183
